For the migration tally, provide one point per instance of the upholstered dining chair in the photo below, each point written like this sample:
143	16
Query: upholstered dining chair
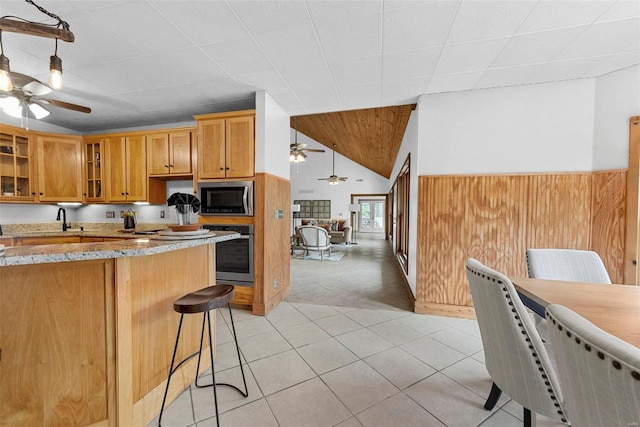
571	265
315	239
515	355
566	264
600	373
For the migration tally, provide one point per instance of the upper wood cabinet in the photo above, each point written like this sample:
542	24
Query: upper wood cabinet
226	145
126	168
169	153
93	170
16	165
59	168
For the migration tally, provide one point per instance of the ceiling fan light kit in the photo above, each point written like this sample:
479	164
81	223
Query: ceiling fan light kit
23	93
297	150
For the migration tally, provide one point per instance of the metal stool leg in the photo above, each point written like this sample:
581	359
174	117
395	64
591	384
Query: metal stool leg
171	370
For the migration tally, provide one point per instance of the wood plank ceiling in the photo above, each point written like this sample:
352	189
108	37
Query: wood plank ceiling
370	137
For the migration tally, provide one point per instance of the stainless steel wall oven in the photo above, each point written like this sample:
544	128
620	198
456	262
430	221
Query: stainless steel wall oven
234	258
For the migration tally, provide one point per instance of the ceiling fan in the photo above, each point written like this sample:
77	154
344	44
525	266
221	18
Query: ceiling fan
296	150
333	178
29	92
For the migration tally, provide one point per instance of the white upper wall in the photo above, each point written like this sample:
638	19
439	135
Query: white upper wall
617	99
533	128
272	136
305	184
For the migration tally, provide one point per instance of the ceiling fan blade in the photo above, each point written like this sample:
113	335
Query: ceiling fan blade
313	150
21	80
36	88
66	105
324	179
342	178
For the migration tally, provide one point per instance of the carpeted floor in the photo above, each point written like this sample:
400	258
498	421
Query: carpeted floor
367	276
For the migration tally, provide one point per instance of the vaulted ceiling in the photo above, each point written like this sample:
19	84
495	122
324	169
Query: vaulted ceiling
370	137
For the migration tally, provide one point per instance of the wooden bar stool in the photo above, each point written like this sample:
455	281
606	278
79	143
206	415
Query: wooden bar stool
203	301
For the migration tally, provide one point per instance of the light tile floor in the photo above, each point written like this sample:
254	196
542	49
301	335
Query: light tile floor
344	350
322	365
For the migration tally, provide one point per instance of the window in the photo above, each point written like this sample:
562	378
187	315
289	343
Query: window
401	191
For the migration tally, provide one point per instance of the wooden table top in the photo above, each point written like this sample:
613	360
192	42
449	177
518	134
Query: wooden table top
613	308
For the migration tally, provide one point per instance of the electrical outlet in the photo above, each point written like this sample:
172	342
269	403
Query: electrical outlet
161	214
275	283
111	214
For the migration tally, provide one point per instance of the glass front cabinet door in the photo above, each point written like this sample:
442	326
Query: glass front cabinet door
16	183
93	161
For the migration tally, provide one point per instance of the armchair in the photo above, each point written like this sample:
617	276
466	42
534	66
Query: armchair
315	239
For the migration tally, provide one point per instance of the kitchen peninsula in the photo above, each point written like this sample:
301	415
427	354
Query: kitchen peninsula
87	329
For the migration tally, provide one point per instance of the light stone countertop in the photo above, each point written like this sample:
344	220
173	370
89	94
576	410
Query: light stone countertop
136	245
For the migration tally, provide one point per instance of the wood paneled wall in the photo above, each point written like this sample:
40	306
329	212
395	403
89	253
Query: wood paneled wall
495	218
272	242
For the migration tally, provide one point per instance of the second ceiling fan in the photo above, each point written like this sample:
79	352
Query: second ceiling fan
333	178
297	150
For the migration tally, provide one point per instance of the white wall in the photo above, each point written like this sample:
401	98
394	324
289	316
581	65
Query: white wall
34	124
30	213
305	184
272	136
617	99
410	145
534	128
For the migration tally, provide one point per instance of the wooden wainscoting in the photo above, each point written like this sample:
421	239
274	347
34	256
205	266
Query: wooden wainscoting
495	218
272	244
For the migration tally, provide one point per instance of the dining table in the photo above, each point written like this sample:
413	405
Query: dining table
613	308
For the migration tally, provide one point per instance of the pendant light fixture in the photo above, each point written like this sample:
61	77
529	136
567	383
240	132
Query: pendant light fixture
5	78
55	70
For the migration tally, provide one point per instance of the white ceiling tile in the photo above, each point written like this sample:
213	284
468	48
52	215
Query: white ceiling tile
321	98
621	10
142	25
27	11
397	4
287	48
403	92
265	16
323	11
130	74
500	77
565	70
549	14
307	76
417	27
238	56
178	96
453	82
204	22
474	56
357	71
536	47
477	20
269	80
361	95
361	37
409	65
191	64
225	89
603	39
289	102
615	62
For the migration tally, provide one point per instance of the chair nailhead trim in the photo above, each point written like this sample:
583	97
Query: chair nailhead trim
587	347
616	364
601	355
577	340
635	375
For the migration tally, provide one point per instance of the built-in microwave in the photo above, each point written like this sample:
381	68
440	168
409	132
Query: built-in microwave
226	198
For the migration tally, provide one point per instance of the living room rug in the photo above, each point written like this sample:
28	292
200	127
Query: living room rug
336	255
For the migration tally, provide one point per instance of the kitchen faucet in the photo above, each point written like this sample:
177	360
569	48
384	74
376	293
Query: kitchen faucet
64	219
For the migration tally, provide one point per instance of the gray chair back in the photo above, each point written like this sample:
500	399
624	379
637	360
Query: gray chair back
600	373
514	353
314	237
566	264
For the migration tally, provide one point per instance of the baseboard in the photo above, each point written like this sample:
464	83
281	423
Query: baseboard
447	310
264	309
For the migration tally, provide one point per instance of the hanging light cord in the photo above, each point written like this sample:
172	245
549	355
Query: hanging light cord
60	23
1	46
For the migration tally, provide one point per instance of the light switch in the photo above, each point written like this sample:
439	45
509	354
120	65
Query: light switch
278	214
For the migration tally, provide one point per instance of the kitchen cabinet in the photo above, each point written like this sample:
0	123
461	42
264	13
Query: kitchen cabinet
226	145
169	153
126	172
16	165
59	168
93	170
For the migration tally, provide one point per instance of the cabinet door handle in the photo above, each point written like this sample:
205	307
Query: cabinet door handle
127	194
166	166
221	169
42	194
170	166
122	194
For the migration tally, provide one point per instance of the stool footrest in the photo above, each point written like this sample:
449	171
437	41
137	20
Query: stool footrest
244	393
